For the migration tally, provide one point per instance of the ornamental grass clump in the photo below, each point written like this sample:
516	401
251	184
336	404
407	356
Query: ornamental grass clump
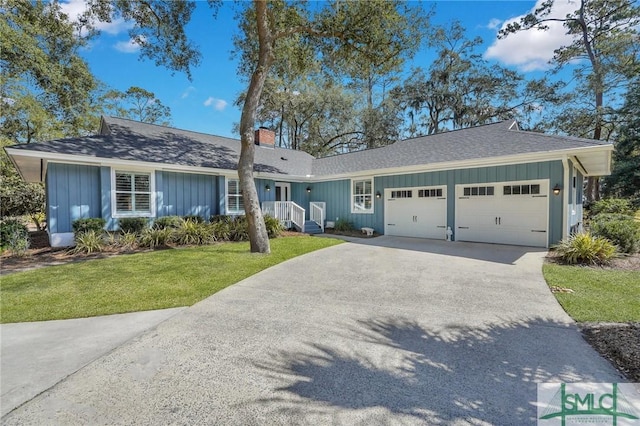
194	233
89	242
585	248
154	238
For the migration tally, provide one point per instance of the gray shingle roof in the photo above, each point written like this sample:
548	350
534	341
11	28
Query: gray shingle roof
491	140
135	141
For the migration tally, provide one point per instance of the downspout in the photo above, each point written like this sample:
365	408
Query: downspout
565	198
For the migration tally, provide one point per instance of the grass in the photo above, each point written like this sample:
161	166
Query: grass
600	295
139	282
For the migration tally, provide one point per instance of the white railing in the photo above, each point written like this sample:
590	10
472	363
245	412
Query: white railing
317	212
286	212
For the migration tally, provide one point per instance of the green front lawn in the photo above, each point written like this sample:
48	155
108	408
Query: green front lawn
600	295
139	282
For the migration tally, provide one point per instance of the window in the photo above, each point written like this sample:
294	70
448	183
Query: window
362	196
401	194
521	189
478	191
235	203
430	193
132	195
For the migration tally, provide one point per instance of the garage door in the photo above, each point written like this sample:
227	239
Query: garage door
419	212
505	213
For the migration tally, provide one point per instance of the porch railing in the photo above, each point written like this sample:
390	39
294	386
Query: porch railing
286	212
317	213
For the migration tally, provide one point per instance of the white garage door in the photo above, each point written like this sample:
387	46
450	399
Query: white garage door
505	213
419	212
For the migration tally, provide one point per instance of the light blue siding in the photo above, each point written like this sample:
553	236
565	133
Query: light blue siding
73	192
182	194
337	194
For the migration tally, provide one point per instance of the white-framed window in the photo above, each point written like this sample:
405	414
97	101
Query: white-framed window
132	193
362	195
235	203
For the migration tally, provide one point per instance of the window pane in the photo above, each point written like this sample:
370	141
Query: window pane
474	190
142	203
535	189
233	187
123	203
506	190
489	190
482	190
439	193
367	187
467	191
515	189
142	183
123	182
367	202
524	189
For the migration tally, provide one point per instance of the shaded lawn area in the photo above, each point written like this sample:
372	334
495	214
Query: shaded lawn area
139	282
600	295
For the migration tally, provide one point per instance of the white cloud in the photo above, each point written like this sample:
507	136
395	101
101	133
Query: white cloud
494	24
128	46
74	8
532	50
187	92
218	104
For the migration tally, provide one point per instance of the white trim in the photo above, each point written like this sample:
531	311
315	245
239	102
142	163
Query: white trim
451	165
152	188
352	195
565	197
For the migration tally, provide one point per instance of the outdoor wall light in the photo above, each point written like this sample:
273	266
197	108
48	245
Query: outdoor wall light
556	189
268	188
378	195
308	189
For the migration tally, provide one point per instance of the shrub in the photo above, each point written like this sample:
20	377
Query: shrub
343	225
585	248
95	224
274	227
194	218
89	242
167	222
611	205
14	236
239	229
128	241
219	218
134	225
194	233
621	230
154	238
221	228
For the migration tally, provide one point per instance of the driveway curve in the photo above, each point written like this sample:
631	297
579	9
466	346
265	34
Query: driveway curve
381	331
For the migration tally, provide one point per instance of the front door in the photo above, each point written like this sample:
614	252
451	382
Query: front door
283	191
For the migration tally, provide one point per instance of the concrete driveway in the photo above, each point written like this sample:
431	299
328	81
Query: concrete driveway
384	331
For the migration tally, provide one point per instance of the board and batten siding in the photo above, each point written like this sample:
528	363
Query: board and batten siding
183	194
337	194
73	192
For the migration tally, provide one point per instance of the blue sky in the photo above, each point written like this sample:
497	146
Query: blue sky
205	104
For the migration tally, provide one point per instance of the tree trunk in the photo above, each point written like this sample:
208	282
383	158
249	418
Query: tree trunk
258	237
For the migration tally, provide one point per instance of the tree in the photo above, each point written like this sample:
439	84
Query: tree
45	86
461	89
347	26
604	58
624	180
137	104
17	197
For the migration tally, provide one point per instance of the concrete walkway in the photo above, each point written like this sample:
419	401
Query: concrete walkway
382	331
37	355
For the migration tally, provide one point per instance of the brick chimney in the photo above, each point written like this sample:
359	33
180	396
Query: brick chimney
265	137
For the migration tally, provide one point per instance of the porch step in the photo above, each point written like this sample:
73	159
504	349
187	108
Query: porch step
310	227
